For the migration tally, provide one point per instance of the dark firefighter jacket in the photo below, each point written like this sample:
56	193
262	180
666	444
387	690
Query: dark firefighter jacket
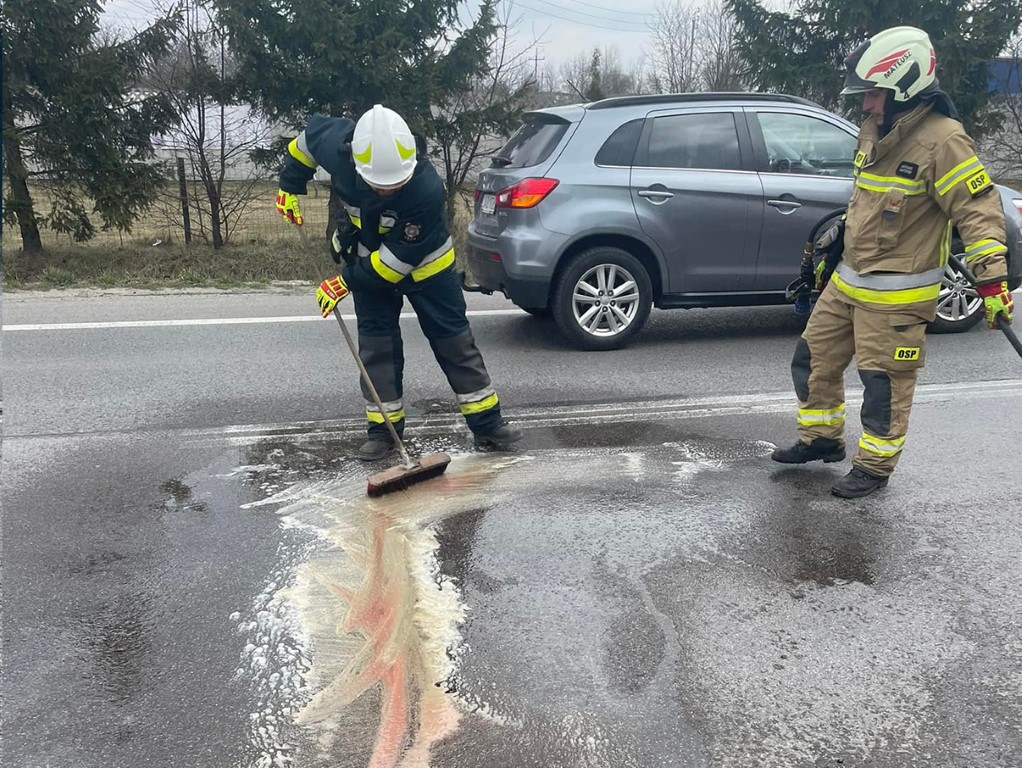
403	239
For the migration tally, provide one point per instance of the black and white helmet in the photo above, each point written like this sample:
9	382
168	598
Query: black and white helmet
900	59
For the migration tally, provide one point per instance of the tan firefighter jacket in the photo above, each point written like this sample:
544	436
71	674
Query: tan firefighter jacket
909	187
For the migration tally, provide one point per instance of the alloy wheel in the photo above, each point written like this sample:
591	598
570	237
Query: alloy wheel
605	300
957	300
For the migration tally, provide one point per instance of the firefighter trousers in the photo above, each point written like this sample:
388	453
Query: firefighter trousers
439	305
889	349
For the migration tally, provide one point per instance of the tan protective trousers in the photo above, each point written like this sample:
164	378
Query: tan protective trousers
889	349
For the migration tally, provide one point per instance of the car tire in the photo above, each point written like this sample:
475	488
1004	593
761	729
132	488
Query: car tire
598	322
959	307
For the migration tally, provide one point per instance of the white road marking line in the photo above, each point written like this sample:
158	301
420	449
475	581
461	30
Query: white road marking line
217	321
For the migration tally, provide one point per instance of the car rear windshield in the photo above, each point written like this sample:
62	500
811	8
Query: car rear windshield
530	145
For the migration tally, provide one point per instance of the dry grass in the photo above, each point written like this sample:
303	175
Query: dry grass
264	248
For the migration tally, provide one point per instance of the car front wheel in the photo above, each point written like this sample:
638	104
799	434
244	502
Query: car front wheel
602	298
959	307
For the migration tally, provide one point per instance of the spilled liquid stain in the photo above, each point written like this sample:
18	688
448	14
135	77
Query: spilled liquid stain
381	621
611	595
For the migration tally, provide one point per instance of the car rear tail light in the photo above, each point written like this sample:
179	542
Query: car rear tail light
477	194
526	193
1018	204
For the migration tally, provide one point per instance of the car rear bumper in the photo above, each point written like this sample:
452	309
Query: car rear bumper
519	267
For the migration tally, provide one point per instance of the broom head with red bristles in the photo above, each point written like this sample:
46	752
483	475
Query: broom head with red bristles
400	477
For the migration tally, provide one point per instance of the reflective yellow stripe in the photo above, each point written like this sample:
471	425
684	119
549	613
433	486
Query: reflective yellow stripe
433	267
831	417
388	274
886	183
299	155
481	405
982	248
870	296
879	447
945	244
957	174
355	220
377	418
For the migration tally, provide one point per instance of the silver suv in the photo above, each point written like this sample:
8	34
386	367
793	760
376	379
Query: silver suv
594	213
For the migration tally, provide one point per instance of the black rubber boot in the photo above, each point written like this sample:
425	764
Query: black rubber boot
821	449
500	439
375	449
858	483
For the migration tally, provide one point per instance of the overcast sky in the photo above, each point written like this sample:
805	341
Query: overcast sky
568	27
565	27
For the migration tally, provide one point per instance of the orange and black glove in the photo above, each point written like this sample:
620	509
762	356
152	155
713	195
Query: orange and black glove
997	302
287	205
330	291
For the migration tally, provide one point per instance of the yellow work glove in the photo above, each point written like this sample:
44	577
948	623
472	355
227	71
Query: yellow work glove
287	205
997	301
330	291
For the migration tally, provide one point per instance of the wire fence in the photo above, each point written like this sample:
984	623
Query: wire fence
251	217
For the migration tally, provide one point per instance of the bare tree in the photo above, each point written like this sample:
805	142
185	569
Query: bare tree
675	63
472	126
694	49
575	74
1003	148
597	74
721	65
216	133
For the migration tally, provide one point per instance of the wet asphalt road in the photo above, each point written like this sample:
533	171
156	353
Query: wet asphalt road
192	575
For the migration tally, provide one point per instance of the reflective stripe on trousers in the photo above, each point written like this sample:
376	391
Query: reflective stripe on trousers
439	305
838	331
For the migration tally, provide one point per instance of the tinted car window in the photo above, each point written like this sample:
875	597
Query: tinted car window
530	145
619	148
805	145
707	140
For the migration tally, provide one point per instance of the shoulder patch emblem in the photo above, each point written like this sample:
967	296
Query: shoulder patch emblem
412	231
978	182
907	170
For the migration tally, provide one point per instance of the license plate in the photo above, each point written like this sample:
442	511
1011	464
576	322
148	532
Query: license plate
488	205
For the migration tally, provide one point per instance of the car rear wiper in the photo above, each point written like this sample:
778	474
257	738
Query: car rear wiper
499	161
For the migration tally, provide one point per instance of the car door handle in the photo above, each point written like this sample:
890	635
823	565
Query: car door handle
791	204
659	194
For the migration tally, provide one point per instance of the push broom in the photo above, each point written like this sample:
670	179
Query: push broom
408	472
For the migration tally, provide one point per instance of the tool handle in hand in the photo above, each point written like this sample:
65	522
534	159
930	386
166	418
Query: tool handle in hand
372	390
1009	334
1003	325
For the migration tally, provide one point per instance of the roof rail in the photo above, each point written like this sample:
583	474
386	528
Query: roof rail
671	98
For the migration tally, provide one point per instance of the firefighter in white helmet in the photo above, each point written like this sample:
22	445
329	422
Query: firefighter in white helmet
393	242
916	177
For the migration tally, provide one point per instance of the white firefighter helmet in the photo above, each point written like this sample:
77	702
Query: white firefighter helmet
900	59
383	148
